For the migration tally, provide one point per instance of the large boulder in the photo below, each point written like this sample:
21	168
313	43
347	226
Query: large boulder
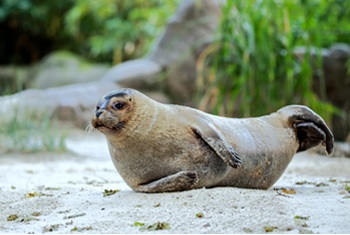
63	68
187	33
333	83
337	83
336	75
139	74
171	64
74	103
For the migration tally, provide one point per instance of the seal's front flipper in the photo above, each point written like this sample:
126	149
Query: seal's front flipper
219	145
183	180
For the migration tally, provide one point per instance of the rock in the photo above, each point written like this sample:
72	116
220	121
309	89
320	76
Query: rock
337	87
72	103
62	68
79	99
336	74
175	53
333	83
187	33
138	74
337	80
181	81
173	56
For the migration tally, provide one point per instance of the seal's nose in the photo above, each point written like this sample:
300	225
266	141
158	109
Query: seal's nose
99	112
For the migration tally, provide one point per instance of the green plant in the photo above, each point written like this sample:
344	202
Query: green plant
104	30
33	134
252	68
118	28
30	29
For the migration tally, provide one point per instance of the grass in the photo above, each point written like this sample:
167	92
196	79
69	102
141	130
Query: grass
33	134
252	70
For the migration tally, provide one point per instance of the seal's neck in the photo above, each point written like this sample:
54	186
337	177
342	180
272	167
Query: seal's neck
146	116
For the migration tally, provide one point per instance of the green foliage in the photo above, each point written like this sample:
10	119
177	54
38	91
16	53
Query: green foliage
154	227
34	134
139	224
103	30
253	69
347	188
109	192
125	28
44	15
31	28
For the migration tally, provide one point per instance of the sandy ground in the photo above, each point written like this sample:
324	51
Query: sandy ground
63	193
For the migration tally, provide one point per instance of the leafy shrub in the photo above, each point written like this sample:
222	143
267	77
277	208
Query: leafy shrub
30	29
252	70
123	29
103	30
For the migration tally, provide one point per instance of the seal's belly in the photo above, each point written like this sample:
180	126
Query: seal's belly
266	149
170	156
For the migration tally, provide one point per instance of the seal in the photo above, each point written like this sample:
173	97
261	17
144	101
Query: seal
159	147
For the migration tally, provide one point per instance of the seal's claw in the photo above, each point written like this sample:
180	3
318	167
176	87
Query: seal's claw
219	145
192	176
234	160
228	154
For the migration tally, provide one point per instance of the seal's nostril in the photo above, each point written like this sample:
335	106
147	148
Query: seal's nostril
98	113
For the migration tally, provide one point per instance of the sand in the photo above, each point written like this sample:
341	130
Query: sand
64	193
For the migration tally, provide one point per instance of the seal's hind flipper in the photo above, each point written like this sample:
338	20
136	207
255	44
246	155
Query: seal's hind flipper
219	145
310	128
309	135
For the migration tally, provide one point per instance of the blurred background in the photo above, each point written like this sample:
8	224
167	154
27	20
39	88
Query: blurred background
109	31
238	58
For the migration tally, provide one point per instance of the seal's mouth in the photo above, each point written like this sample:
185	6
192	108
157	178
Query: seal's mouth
97	124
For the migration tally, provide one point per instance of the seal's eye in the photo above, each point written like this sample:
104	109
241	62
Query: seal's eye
118	106
97	107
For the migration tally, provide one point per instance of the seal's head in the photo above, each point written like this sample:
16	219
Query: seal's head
113	111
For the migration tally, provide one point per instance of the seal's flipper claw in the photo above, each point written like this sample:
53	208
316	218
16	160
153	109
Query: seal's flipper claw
236	162
220	146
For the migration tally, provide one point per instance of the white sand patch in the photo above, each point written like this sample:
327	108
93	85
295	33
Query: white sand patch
68	188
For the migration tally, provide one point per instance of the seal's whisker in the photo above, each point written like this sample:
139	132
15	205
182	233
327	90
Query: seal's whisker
122	125
89	128
119	126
